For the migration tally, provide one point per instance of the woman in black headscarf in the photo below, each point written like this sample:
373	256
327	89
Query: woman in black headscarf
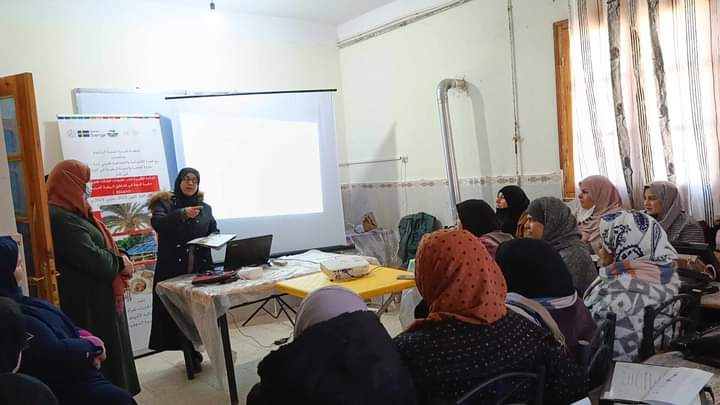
479	218
178	218
510	205
533	270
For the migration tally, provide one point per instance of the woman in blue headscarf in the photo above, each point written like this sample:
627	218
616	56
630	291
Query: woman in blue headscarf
60	354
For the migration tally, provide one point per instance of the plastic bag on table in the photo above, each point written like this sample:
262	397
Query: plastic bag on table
409	300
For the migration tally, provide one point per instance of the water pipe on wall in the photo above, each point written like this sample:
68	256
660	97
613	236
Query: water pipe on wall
443	88
513	64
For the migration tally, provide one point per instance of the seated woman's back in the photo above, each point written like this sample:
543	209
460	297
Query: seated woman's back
536	273
469	336
449	358
638	271
341	354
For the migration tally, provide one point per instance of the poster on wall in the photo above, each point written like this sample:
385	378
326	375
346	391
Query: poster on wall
127	164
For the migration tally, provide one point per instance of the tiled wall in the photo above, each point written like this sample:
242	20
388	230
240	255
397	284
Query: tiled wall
390	201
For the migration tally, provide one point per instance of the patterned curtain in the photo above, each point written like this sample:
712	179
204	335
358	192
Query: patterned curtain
646	86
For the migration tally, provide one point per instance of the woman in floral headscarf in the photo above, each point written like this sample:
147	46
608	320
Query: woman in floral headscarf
639	270
469	335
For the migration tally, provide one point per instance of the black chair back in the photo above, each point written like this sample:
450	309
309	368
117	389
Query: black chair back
515	380
595	356
680	313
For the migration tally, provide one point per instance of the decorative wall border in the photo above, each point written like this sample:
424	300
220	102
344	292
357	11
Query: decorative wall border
549	178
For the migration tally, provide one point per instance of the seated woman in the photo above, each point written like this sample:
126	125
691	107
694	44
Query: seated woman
341	354
469	335
549	219
534	270
510	206
639	270
662	202
479	218
62	356
598	196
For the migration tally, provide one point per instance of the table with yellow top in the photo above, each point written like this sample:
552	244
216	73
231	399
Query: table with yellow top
380	281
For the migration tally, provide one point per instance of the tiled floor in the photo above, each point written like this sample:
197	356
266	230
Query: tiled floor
163	377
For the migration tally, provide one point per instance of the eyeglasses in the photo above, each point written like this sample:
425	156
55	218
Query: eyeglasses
190	180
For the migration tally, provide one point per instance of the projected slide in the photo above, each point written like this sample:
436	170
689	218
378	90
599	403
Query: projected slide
255	168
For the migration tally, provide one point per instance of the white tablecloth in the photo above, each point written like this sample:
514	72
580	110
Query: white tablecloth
196	309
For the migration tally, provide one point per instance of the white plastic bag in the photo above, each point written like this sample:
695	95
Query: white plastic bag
409	300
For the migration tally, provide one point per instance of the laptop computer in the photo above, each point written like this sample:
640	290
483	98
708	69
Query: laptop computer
247	252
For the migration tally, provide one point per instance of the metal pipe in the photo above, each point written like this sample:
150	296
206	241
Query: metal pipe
513	69
443	88
403	159
399	23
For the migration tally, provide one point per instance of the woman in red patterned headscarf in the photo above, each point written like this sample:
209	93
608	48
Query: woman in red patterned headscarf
93	271
469	335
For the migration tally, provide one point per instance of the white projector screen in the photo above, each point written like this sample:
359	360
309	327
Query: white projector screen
267	164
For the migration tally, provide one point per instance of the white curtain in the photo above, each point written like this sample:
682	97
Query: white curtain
646	77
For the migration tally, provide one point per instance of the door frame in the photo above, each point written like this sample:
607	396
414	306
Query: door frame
43	274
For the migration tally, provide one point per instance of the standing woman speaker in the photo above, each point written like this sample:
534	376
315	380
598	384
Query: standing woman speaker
178	218
94	271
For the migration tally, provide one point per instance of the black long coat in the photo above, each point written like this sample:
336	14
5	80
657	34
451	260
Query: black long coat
174	230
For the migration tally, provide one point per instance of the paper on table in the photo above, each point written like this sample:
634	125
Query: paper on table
657	385
632	381
679	386
214	241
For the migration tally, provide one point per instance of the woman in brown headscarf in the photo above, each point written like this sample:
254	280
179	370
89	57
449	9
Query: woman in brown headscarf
469	335
93	272
662	202
598	196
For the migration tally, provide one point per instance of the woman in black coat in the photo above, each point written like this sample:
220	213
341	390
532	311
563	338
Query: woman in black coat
177	218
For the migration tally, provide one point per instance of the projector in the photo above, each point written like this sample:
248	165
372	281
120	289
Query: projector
345	268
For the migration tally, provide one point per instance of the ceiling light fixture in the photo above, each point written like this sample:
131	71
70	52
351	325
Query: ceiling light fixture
212	5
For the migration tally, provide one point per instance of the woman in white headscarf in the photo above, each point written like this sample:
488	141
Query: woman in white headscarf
639	270
662	202
340	354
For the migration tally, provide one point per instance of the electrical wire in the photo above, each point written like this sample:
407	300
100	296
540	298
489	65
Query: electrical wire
257	342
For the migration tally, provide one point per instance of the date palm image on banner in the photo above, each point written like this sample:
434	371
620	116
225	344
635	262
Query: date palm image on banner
126	217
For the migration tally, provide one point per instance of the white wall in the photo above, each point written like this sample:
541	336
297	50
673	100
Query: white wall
389	90
125	44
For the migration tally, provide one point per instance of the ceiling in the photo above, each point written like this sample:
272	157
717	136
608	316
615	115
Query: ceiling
331	12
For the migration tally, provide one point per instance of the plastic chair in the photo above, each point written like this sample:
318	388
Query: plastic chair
595	356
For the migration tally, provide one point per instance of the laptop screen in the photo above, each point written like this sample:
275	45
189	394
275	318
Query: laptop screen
248	252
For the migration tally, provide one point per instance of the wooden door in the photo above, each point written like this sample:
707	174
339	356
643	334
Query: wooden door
563	81
27	181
